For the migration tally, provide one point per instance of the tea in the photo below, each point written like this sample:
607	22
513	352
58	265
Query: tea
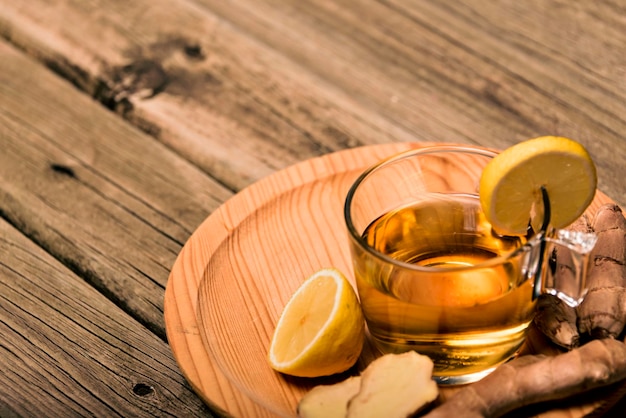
468	314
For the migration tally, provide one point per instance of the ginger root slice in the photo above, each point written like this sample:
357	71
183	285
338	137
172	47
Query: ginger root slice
394	385
602	313
532	379
329	401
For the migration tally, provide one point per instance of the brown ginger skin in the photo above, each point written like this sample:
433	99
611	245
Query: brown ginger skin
557	321
538	378
602	314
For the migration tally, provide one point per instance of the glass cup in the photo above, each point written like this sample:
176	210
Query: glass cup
431	274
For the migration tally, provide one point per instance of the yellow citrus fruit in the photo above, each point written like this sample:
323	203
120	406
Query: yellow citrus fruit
321	329
510	185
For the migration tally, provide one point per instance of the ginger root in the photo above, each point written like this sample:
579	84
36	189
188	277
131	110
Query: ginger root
557	321
393	385
537	378
603	311
329	401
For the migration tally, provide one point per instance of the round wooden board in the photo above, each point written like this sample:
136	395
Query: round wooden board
233	277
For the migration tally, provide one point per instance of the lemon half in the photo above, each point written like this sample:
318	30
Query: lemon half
510	185
321	329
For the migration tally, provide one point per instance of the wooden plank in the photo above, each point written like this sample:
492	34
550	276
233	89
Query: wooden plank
245	88
223	100
491	73
68	351
109	201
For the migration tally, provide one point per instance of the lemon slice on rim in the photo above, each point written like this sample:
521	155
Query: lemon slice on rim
510	185
321	329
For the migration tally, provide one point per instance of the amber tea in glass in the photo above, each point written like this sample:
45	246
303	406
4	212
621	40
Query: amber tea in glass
472	318
431	274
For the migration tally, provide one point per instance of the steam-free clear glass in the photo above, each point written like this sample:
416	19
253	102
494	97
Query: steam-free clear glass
433	276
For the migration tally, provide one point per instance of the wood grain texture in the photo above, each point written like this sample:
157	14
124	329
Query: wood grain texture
235	274
490	73
98	194
123	125
282	81
68	351
223	100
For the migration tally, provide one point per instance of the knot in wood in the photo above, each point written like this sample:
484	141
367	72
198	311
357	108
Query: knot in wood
143	78
142	389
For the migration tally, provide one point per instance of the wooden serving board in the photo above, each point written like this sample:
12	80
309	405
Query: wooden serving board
235	274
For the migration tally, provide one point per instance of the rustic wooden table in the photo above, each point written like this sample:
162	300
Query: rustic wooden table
123	125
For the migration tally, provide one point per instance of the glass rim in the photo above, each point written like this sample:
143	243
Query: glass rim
531	237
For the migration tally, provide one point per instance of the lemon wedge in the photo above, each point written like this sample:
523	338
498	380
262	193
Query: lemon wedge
511	183
321	329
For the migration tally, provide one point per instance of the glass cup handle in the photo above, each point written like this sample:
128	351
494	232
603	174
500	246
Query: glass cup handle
564	274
